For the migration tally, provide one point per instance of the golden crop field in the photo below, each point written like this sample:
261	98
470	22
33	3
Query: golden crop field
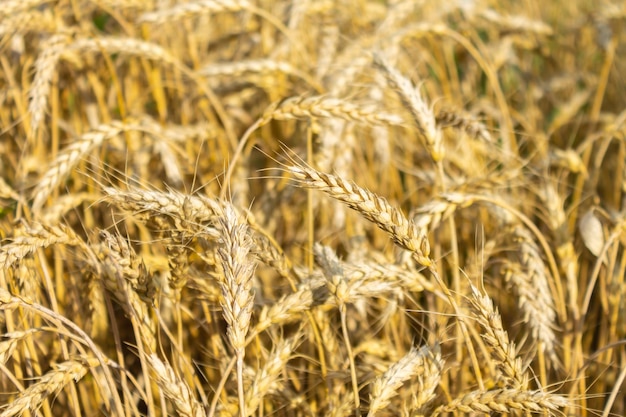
312	208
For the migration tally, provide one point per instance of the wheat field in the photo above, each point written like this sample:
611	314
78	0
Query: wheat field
312	208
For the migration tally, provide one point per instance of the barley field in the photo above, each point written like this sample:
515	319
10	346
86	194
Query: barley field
312	208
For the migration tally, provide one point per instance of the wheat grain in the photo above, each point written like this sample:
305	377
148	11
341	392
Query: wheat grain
196	214
516	23
466	123
120	271
64	204
32	21
438	209
6	191
254	65
9	341
428	381
287	309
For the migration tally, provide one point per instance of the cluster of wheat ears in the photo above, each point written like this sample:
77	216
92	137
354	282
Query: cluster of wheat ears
312	208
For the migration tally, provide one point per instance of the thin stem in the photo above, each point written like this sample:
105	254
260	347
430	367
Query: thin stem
346	338
242	396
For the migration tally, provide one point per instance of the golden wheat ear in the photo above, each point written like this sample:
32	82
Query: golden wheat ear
374	208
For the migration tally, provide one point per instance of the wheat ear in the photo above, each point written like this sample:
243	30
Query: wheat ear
237	272
68	159
328	107
416	363
52	382
266	377
338	286
504	401
45	66
374	208
39	236
497	339
175	389
422	114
